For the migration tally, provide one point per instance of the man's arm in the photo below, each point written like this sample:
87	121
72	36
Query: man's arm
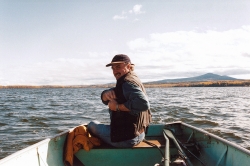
108	98
108	95
137	100
114	106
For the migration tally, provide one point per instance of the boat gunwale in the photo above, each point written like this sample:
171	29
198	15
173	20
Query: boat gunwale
36	145
19	152
234	145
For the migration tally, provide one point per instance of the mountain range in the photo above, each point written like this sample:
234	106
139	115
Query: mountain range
204	77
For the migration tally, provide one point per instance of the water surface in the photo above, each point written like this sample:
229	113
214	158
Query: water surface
30	115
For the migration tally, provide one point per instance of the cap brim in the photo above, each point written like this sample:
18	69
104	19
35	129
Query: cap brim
110	64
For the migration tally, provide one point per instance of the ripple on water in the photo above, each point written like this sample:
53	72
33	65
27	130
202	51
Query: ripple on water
31	108
24	120
2	124
230	136
205	123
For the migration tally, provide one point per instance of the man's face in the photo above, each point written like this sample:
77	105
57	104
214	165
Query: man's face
120	69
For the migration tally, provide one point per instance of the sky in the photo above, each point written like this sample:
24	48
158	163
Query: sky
61	42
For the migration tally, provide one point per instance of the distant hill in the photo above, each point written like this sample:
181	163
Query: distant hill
205	77
206	80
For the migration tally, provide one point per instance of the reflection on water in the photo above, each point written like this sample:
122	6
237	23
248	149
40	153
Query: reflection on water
30	115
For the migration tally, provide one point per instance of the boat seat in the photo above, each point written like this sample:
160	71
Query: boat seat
160	142
156	141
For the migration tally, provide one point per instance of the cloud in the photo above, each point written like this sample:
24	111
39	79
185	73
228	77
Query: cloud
136	19
246	55
136	10
190	53
120	17
62	71
196	45
157	56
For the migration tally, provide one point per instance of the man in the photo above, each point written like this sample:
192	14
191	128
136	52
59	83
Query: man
128	107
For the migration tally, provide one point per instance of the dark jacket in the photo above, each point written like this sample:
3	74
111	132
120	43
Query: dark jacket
126	125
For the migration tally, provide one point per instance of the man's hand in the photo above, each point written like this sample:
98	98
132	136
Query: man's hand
108	95
112	105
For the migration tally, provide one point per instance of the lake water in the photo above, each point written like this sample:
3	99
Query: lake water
31	115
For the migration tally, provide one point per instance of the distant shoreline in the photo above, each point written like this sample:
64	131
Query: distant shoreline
222	83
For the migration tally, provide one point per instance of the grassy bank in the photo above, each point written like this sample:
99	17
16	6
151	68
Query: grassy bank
203	84
147	85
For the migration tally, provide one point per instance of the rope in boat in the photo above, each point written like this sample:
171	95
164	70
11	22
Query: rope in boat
154	145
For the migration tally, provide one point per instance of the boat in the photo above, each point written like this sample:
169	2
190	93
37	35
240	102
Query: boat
169	144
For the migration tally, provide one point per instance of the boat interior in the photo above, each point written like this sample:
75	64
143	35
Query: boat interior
170	144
